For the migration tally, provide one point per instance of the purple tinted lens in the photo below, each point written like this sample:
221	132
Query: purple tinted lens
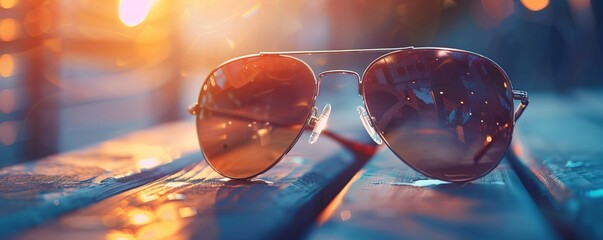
251	112
446	113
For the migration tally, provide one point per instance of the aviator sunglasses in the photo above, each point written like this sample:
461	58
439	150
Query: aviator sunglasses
447	113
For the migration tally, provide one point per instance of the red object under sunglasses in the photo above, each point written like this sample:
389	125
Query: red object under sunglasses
447	113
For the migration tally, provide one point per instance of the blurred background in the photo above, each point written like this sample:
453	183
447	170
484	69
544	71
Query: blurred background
76	72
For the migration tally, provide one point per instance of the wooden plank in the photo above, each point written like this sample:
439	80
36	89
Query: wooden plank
34	192
199	203
560	156
389	200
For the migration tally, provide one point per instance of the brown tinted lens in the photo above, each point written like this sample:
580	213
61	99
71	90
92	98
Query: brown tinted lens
446	113
252	111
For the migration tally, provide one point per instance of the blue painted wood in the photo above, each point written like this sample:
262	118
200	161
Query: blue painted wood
34	192
560	156
389	200
199	203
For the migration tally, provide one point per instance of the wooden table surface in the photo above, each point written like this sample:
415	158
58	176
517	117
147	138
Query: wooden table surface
154	184
559	154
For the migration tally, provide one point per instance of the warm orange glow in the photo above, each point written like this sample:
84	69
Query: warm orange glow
8	133
151	35
7	100
535	5
38	21
517	147
328	212
176	184
140	217
134	12
187	212
8	3
145	198
115	235
8	29
54	44
175	197
251	11
7	65
147	163
167	212
232	44
159	230
488	138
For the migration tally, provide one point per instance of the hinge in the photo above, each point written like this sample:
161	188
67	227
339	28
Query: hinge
521	95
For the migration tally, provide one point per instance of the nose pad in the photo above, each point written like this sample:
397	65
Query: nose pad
320	123
364	118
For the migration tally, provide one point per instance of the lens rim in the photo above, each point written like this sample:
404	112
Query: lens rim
509	88
305	124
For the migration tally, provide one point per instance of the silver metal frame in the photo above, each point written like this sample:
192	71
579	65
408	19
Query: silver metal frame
523	97
336	51
519	95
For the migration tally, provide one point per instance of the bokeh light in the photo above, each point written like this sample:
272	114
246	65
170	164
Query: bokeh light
535	5
8	3
140	217
7	100
8	29
8	132
7	65
134	12
147	163
116	235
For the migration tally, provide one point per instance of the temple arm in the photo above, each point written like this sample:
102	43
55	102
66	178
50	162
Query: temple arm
522	96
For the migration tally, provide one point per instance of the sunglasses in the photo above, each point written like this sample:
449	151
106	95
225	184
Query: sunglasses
446	113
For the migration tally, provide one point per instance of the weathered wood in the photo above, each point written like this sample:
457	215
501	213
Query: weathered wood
34	192
199	203
560	156
389	200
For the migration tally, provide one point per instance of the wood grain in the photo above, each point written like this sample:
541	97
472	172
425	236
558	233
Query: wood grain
389	200
560	156
199	203
34	192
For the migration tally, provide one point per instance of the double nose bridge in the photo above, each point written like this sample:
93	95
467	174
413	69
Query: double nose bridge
319	121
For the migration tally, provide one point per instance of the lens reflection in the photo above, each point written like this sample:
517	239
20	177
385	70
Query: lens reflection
446	113
251	112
